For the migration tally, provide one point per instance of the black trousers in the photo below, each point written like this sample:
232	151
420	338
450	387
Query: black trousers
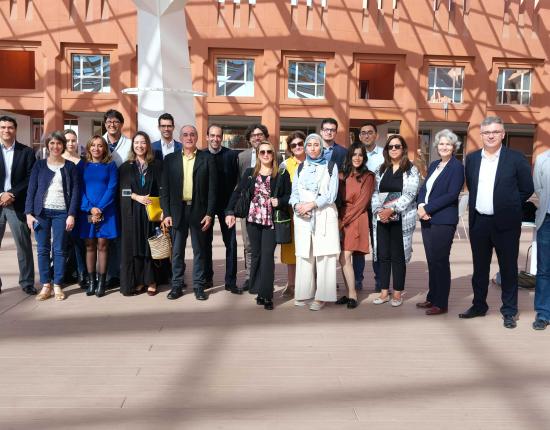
438	239
262	269
484	236
391	255
199	242
229	236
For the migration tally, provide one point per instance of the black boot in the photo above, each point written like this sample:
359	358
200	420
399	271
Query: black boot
92	284
101	284
83	280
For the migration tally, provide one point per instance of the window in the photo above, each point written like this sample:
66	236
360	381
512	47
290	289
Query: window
234	77
91	73
445	84
376	81
306	80
514	86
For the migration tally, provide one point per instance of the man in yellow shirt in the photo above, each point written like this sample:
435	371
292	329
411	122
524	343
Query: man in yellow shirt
188	200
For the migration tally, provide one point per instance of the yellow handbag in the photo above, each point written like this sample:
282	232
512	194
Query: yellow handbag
154	211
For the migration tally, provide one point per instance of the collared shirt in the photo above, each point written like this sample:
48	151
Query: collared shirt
167	147
486	182
188	164
430	181
112	145
8	162
375	158
253	158
327	154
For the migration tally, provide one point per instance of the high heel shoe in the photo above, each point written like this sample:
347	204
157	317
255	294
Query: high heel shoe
92	284
352	304
152	290
58	293
101	284
268	305
45	293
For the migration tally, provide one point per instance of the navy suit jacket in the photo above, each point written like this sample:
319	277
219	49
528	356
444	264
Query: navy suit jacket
157	148
23	160
513	186
442	204
339	156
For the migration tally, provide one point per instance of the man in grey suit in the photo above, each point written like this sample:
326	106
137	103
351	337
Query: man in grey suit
16	161
255	134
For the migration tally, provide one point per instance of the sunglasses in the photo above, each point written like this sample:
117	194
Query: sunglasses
390	147
294	145
266	152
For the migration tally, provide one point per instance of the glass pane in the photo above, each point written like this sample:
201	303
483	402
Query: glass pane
431	95
306	72
92	85
106	67
500	96
500	79
250	71
527	80
431	77
232	87
76	65
220	69
458	96
320	73
292	71
444	78
514	80
292	91
458	74
305	91
525	98
235	70
320	91
91	65
220	89
106	85
76	85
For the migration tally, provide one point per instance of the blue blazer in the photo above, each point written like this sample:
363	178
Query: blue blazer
513	186
157	148
40	180
339	156
442	205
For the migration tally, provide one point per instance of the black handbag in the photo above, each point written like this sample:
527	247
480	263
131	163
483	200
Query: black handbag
281	219
242	205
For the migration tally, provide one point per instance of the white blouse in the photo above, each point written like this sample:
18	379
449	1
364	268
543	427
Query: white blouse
54	198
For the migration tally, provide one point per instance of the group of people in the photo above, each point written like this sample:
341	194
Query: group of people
343	203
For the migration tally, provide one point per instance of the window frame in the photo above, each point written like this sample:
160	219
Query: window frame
453	89
226	60
314	84
82	78
500	92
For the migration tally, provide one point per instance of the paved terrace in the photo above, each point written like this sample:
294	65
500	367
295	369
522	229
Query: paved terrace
150	363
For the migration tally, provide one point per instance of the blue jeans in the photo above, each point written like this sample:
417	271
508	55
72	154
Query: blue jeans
542	289
51	221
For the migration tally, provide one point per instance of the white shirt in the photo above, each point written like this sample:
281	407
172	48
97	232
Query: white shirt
167	147
486	182
431	180
54	198
375	158
253	158
8	162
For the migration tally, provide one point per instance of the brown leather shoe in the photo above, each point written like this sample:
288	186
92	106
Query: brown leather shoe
424	305
434	310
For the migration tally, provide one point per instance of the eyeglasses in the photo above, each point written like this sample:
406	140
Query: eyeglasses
328	130
295	144
491	133
266	152
367	133
115	122
390	147
257	135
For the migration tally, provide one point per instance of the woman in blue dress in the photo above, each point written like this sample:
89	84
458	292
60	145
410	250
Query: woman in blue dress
97	221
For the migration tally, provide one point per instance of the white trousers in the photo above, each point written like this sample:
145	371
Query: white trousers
321	269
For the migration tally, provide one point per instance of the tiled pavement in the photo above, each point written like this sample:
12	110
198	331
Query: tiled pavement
150	363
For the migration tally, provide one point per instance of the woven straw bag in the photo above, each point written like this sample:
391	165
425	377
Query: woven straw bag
161	246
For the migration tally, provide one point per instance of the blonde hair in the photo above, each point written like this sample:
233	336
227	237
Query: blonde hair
106	157
274	162
149	156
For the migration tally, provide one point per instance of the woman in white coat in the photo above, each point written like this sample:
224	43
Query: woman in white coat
314	191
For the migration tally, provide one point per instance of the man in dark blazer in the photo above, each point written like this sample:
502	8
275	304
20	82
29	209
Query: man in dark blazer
16	161
166	145
227	170
499	181
188	200
333	151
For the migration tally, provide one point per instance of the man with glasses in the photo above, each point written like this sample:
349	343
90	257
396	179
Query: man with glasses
333	151
119	145
188	200
255	134
227	170
499	180
166	145
368	135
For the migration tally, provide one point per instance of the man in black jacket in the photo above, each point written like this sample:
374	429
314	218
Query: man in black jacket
188	200
16	161
227	169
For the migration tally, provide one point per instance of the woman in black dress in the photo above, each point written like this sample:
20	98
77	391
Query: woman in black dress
140	179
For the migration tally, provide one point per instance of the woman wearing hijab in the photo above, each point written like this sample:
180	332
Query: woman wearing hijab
314	191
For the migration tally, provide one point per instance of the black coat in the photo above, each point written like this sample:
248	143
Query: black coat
281	192
227	169
23	161
204	188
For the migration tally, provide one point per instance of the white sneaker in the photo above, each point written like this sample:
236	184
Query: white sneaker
379	300
300	303
397	302
316	306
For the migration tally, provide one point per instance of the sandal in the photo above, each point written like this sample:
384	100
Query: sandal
45	293
288	291
58	293
152	290
397	302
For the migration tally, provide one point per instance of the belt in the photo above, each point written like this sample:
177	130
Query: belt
485	215
187	202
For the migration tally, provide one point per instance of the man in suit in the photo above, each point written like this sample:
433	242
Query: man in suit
255	134
227	170
166	145
16	161
188	200
333	151
499	180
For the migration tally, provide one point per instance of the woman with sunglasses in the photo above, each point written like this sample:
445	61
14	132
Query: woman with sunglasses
356	188
268	190
296	156
394	209
314	191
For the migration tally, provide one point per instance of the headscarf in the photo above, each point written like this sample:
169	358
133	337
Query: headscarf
309	177
321	159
